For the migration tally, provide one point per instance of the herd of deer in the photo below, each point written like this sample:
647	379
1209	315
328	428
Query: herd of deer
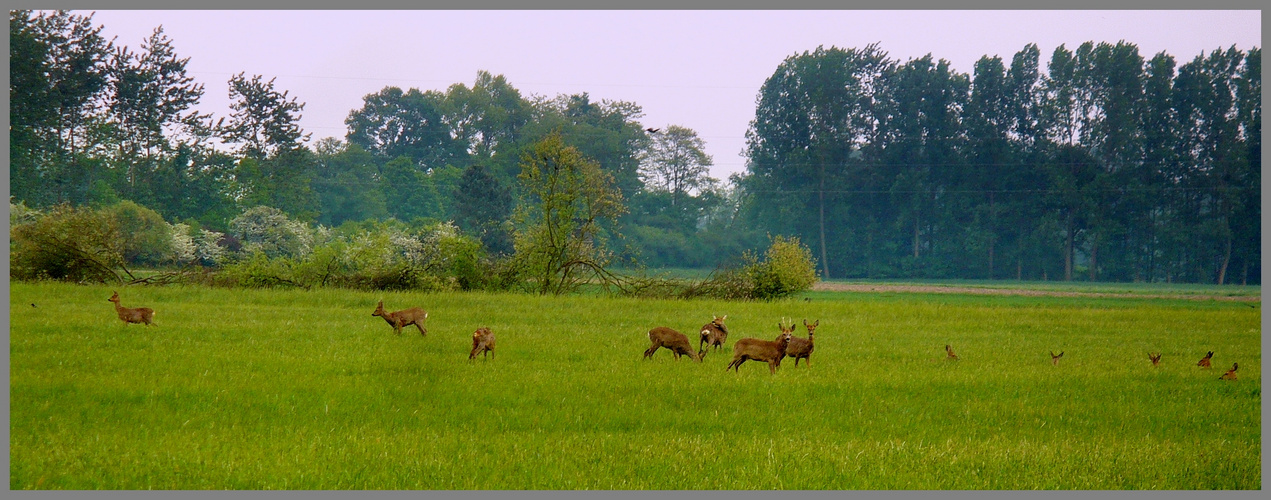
712	334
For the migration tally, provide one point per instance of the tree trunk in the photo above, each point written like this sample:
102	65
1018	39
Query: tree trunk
992	233
917	224
1226	259
825	260
1068	252
1094	256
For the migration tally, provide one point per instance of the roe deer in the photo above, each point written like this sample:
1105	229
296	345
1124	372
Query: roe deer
951	356
1054	360
771	351
1156	360
406	317
713	333
132	315
674	341
482	342
1204	362
1231	374
802	348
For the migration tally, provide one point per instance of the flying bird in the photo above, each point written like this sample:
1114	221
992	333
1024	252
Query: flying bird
652	130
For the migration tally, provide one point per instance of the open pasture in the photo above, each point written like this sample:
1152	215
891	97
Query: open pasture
258	389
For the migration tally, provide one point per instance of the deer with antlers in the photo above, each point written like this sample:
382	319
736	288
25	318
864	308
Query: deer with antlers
771	351
802	348
132	314
713	333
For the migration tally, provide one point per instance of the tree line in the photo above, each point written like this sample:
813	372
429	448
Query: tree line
1107	164
1104	166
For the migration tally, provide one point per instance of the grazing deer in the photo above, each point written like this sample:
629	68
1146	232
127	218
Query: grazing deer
1231	374
406	317
1156	360
951	356
1054	360
713	333
802	348
132	315
771	351
1204	362
674	341
482	342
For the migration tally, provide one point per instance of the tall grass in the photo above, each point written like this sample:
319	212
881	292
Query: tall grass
306	390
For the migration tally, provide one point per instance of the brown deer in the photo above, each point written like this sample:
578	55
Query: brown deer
1054	360
406	317
771	351
1156	359
131	314
674	341
482	342
1204	362
713	333
802	348
1231	374
951	356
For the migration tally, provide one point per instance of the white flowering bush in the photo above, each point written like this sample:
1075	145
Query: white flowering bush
269	231
207	247
184	249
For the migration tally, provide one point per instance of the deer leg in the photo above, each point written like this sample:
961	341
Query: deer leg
422	331
648	353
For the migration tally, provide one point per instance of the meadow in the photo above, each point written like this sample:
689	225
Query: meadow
278	389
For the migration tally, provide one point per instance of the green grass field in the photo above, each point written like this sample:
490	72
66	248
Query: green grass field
250	389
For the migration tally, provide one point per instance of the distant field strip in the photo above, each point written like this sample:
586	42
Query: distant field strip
831	286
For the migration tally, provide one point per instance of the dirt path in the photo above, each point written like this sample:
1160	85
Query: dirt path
822	286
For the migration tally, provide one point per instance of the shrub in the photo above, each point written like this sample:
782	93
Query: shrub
79	245
147	239
269	230
787	268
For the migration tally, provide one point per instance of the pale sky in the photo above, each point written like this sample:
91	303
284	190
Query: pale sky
697	69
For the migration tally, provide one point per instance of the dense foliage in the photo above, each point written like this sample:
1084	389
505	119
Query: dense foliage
1107	164
1101	166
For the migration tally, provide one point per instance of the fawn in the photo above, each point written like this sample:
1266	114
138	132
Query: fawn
1054	360
482	342
132	315
1204	362
802	348
406	317
1231	374
713	333
674	341
771	351
1156	359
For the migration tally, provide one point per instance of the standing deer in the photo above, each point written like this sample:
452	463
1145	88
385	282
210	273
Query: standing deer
771	351
482	342
1054	360
1156	360
713	333
951	356
406	317
802	348
1231	374
1204	362
674	341
132	315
